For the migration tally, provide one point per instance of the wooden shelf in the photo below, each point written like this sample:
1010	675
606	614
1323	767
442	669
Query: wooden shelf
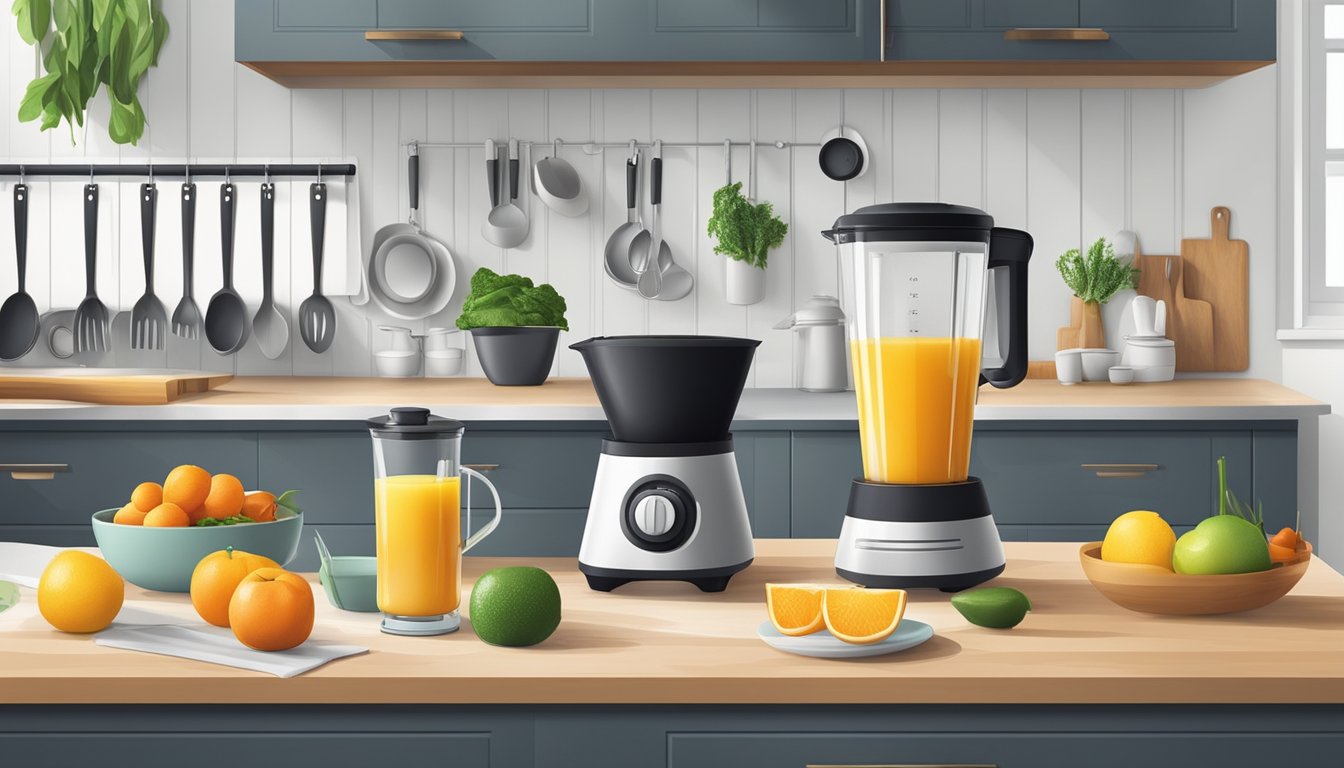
747	74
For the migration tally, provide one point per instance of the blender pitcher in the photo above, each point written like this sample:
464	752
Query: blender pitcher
417	503
916	280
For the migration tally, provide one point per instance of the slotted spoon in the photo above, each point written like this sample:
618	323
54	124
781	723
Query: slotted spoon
148	317
91	314
317	317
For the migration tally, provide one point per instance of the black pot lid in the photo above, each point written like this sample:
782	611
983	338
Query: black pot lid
407	423
894	217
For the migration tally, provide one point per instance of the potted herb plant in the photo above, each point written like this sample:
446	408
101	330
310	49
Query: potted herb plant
1094	279
744	232
514	325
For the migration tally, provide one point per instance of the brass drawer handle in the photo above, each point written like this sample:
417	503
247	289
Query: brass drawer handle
1057	34
34	471
482	467
1120	470
403	35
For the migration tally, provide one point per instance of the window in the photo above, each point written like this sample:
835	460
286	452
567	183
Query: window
1323	155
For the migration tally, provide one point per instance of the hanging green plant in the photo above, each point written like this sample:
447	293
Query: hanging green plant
91	43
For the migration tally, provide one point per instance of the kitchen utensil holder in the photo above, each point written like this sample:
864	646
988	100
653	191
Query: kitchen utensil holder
178	170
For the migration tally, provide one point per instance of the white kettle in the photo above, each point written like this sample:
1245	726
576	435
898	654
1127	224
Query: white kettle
820	325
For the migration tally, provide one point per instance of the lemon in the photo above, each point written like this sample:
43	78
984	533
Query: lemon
515	606
79	592
1139	537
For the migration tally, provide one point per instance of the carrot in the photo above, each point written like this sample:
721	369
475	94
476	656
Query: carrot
1281	554
1287	537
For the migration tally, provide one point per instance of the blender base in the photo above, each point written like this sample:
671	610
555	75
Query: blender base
706	579
421	626
919	536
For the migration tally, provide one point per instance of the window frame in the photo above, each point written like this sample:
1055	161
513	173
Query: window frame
1323	304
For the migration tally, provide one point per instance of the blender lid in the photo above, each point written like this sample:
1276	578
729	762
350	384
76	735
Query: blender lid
911	221
407	423
819	310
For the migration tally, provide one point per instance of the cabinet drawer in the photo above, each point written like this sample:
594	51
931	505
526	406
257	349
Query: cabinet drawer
985	750
100	469
1031	13
1159	15
512	15
1088	478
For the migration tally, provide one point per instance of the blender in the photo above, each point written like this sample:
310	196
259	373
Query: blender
667	502
916	279
417	503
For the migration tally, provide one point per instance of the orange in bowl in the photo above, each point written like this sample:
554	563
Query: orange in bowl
1151	589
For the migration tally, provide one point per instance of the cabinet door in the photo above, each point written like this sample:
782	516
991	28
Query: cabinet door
824	463
1139	30
560	30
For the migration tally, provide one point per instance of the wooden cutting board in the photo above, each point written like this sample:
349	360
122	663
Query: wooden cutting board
1189	321
108	386
1217	270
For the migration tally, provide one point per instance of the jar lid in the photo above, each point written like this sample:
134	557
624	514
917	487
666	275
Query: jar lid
408	423
819	310
912	221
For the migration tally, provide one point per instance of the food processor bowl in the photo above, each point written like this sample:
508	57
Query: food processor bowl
668	389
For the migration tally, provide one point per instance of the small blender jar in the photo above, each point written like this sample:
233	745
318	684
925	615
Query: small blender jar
417	508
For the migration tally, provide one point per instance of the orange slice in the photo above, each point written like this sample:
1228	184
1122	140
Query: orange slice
863	616
795	609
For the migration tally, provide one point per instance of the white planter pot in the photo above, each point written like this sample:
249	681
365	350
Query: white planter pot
745	284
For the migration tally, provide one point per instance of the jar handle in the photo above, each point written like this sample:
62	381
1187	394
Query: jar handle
476	537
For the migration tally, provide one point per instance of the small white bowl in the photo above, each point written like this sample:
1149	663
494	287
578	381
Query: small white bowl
397	364
1096	362
443	362
1121	374
1069	366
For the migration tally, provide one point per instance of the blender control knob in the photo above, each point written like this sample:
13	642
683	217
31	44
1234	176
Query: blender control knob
655	515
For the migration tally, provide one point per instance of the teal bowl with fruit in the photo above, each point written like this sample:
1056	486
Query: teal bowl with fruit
1153	589
162	559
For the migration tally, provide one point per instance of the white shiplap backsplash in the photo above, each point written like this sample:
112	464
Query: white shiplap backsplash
1066	165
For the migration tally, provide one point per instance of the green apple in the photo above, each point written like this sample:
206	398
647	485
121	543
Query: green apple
1221	544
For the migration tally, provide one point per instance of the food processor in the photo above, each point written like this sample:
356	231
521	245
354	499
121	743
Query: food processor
916	279
667	502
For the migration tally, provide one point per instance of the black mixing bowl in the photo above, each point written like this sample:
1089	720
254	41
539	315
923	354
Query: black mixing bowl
668	389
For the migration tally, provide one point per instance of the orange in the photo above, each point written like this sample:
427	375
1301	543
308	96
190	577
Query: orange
1139	537
79	592
147	496
216	577
795	609
272	610
863	616
225	498
129	515
187	486
167	516
259	506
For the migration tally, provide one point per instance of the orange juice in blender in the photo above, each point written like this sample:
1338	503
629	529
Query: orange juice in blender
417	511
916	400
419	538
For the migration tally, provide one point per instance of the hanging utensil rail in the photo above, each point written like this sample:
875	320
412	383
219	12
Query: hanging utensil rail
177	170
619	144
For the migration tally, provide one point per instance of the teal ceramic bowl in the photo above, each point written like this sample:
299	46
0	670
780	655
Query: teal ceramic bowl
354	587
162	559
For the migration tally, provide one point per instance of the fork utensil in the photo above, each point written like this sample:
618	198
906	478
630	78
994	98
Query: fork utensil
149	320
91	316
187	316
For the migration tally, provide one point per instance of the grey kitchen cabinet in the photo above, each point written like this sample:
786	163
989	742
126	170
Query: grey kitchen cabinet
558	30
1138	30
676	736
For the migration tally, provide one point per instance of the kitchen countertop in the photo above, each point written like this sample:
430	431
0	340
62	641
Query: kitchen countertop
667	643
355	399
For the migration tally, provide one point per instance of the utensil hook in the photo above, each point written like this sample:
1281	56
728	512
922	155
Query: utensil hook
555	148
22	182
319	172
90	175
727	161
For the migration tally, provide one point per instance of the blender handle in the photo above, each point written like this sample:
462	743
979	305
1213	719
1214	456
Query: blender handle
489	528
1011	250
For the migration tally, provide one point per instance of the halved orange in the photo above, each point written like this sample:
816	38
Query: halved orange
795	609
863	616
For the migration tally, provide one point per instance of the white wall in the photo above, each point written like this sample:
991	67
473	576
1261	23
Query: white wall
1067	165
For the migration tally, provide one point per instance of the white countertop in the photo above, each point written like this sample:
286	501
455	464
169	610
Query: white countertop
298	400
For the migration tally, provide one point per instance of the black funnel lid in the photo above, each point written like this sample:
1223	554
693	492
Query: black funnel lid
668	389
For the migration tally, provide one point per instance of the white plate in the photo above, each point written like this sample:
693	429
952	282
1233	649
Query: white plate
824	645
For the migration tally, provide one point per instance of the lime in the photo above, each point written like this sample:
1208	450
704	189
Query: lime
515	606
993	607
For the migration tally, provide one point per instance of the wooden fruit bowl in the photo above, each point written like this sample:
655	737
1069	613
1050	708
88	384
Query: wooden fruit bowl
1150	589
